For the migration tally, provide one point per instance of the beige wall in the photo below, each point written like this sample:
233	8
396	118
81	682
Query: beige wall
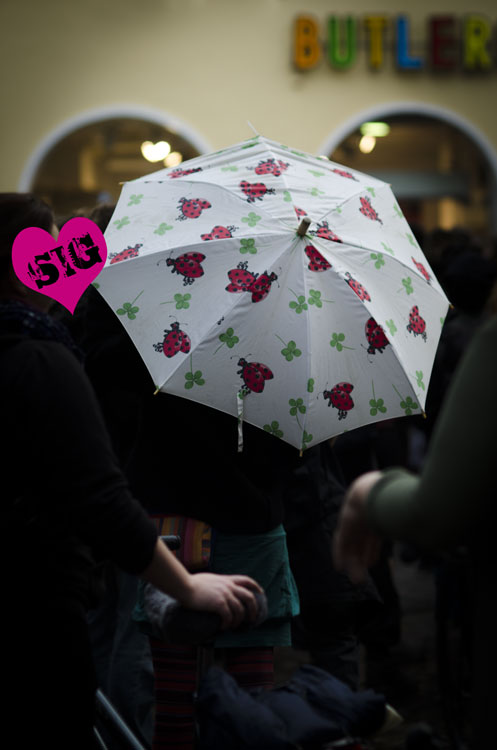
213	64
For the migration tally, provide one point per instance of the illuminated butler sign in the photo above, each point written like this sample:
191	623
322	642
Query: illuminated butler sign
451	43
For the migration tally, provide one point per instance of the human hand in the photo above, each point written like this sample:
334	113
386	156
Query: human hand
230	596
355	545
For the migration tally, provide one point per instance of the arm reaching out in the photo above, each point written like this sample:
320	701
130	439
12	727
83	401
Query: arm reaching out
228	596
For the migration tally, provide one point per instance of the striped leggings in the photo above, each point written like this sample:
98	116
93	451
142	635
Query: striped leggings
176	670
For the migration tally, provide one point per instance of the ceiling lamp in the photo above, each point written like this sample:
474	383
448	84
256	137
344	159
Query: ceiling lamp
375	129
155	151
367	144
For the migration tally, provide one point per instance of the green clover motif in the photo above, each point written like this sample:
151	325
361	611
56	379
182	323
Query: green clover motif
315	298
129	308
306	438
378	259
274	429
391	327
398	212
298	153
419	379
387	248
411	240
162	228
300	305
408	405
96	284
442	321
229	169
251	219
315	192
371	191
228	338
407	284
134	200
120	223
287	197
182	301
337	340
248	246
310	385
296	405
193	378
314	173
377	405
291	351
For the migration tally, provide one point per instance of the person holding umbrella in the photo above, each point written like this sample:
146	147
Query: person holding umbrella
66	500
449	504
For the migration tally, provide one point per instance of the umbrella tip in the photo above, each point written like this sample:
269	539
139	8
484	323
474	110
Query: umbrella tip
303	227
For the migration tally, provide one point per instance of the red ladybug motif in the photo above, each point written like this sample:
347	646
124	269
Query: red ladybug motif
254	375
339	397
344	173
183	172
300	212
243	280
317	262
357	288
219	233
192	208
255	190
376	337
325	232
129	252
416	324
422	269
271	166
175	340
187	265
368	211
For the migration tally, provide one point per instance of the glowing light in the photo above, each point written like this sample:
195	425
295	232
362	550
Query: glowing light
173	159
375	129
367	144
155	151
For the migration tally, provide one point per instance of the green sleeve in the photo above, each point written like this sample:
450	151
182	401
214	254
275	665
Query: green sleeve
450	499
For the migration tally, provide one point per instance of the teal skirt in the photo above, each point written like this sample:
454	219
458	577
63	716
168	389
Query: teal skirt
263	557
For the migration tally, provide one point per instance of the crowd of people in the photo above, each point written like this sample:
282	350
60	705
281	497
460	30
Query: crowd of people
86	502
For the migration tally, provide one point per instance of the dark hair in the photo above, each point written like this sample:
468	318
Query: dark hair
17	212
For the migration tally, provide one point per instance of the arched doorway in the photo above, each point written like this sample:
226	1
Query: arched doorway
84	161
442	169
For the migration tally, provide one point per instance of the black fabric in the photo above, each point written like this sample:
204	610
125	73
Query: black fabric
313	707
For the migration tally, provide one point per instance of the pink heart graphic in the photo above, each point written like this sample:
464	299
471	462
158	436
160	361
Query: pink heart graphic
64	268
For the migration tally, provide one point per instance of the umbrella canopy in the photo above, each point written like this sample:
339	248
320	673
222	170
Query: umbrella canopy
278	287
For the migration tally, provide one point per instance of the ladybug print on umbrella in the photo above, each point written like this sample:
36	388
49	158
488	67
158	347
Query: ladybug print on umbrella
271	166
243	280
175	340
357	288
368	211
219	233
344	173
126	254
421	269
255	190
376	337
325	232
254	376
317	262
416	324
183	172
191	208
300	212
187	265
339	397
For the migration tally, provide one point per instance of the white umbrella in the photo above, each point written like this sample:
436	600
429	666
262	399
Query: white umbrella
277	286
